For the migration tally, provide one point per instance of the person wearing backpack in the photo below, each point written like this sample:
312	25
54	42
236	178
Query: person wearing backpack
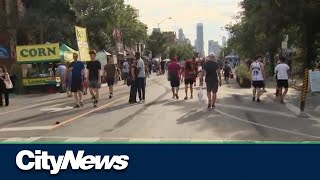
174	77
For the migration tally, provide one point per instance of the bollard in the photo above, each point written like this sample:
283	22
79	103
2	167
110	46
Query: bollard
304	92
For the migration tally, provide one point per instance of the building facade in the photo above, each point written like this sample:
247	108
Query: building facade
200	41
224	41
170	37
181	35
213	47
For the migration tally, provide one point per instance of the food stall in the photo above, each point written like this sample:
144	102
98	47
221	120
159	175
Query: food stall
38	63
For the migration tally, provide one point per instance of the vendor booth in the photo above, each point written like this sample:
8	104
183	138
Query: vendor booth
38	64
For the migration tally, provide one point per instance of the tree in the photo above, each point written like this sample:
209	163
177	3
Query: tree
263	25
182	51
156	43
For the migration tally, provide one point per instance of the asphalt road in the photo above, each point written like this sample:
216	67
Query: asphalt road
51	118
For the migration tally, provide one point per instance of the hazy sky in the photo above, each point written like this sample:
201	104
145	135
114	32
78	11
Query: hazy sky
185	14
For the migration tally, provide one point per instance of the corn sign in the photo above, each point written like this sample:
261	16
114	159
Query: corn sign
83	46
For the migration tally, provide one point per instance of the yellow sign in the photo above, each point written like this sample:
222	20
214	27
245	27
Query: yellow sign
44	52
81	34
41	81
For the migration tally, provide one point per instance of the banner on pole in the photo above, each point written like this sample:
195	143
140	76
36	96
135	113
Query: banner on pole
82	41
314	81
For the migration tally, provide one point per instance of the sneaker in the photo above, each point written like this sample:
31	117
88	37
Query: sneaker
282	101
186	98
254	99
177	96
209	105
258	100
81	104
76	106
95	103
110	96
213	106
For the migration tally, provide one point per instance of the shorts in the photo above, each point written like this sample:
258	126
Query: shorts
189	81
257	84
175	83
76	85
212	87
110	81
283	84
93	84
125	75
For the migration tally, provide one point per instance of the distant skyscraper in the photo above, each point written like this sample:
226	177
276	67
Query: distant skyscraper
181	35
224	41
213	47
200	42
195	44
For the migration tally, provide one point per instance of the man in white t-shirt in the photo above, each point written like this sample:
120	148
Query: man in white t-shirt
281	71
258	77
141	78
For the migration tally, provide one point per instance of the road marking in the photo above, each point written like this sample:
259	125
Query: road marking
96	109
53	109
28	107
269	127
25	128
15	139
255	110
82	139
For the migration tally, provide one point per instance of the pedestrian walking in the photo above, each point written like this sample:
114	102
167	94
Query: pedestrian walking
94	70
62	70
110	75
282	78
182	66
190	77
134	82
258	77
174	77
125	71
141	78
195	65
78	76
211	71
68	79
227	72
5	86
85	82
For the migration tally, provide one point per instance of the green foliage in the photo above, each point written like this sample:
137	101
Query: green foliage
54	21
156	43
182	51
243	71
262	25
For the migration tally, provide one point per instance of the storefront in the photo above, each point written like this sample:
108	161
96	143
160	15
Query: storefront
39	64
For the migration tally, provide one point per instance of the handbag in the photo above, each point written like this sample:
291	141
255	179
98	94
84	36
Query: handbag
129	82
8	83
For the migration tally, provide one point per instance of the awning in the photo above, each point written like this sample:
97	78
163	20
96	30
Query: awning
66	53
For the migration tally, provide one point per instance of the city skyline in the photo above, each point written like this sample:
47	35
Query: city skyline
224	11
200	40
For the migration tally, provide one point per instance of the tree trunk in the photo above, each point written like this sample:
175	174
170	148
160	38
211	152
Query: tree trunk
272	52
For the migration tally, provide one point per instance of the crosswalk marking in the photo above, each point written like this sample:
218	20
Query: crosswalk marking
27	128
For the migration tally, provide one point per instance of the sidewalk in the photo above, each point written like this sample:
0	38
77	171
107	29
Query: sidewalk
312	107
28	99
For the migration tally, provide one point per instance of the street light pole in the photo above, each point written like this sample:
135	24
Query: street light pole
163	21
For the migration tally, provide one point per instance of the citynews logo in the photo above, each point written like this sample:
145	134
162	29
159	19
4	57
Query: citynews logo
40	160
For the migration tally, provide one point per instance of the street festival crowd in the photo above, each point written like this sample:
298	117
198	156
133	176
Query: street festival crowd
77	77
